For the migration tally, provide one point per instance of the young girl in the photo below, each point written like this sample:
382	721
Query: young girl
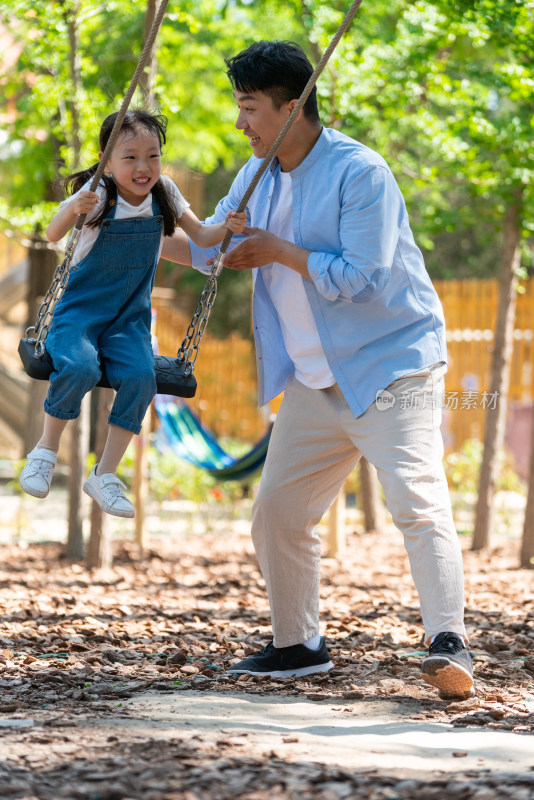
104	315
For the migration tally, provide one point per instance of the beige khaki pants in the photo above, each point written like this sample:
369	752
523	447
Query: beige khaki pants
315	443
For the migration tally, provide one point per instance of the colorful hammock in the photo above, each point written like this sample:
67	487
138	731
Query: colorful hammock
182	431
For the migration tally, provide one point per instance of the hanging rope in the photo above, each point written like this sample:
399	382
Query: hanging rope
292	117
115	131
188	351
61	275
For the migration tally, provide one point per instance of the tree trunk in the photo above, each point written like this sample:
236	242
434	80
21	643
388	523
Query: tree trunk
334	119
527	543
99	552
79	446
372	506
42	262
336	527
500	375
140	484
80	427
146	80
76	82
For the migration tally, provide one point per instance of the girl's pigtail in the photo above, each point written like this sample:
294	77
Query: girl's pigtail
73	183
167	206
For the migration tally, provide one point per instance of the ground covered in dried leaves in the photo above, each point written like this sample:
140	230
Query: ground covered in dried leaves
77	647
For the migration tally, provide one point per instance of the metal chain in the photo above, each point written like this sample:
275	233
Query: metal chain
54	294
61	275
188	351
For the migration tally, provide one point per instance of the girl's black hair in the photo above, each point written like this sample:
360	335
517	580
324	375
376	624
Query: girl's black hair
278	69
133	121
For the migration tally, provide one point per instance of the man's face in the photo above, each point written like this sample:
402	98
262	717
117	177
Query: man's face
259	120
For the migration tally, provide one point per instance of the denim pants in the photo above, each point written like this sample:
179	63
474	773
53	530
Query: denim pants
104	317
315	443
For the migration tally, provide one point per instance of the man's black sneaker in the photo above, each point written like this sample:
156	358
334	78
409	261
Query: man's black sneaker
448	666
285	662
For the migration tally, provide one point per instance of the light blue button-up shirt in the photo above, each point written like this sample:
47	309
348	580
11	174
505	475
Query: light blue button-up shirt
378	315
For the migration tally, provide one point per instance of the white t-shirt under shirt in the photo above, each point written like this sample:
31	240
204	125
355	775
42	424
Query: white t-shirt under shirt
124	210
286	289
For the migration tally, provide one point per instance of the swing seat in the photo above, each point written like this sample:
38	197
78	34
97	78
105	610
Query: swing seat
171	377
182	432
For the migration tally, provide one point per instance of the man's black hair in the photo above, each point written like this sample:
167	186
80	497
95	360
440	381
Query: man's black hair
280	70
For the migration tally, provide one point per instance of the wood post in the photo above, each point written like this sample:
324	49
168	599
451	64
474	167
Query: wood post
372	505
527	543
99	551
79	447
140	482
336	526
503	347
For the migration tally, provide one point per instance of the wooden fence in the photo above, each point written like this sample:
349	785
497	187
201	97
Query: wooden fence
226	371
470	308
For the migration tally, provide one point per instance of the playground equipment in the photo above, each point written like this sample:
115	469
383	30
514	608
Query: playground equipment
14	399
173	376
182	431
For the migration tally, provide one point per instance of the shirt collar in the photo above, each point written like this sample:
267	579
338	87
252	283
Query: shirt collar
313	156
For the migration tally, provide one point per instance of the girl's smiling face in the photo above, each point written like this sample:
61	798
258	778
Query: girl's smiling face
135	164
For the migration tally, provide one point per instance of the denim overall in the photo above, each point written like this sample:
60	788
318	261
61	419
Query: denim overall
105	316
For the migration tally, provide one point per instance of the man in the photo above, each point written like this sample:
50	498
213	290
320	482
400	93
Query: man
348	325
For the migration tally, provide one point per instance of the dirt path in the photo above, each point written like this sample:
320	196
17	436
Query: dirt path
114	686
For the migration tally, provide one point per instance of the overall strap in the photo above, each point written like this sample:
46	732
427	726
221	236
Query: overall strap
112	208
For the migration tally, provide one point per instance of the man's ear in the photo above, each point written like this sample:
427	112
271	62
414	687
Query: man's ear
292	104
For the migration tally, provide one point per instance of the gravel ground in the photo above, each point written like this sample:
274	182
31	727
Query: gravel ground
79	650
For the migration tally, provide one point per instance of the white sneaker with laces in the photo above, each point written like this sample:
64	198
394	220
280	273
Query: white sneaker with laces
36	476
107	491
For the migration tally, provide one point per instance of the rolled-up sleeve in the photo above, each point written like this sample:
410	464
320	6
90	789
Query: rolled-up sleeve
372	212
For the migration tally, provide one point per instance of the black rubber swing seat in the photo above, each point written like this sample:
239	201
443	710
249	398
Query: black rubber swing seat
171	373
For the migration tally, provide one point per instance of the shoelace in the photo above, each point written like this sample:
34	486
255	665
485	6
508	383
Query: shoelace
40	465
447	641
113	489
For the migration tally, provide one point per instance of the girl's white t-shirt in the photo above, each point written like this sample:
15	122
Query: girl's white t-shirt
124	210
286	289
